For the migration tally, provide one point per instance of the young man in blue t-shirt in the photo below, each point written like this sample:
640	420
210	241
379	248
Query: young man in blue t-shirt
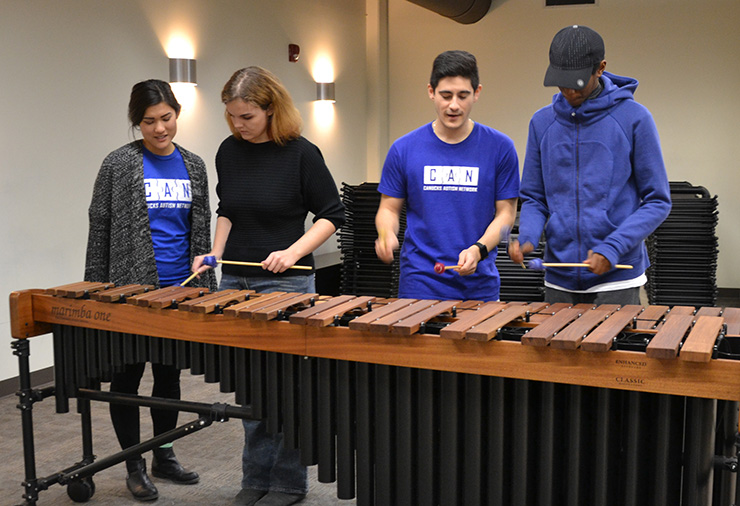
460	182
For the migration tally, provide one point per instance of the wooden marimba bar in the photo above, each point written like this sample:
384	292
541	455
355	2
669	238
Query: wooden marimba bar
407	401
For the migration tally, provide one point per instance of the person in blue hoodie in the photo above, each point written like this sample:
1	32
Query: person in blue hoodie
593	177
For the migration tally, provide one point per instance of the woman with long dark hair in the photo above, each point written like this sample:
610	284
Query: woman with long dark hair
149	218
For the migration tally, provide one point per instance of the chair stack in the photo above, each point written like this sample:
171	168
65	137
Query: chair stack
683	250
362	273
519	284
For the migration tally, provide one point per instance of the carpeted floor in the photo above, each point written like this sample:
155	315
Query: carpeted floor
214	452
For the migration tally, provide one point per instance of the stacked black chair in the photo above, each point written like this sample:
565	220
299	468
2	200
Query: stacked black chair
362	273
517	283
683	250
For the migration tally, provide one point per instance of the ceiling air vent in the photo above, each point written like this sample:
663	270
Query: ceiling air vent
554	3
462	11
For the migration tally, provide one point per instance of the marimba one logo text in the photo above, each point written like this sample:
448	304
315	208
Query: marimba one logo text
81	313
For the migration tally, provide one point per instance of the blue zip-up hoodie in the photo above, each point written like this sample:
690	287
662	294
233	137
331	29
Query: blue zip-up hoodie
594	179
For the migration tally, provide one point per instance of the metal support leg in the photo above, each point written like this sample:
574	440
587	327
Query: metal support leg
83	408
27	397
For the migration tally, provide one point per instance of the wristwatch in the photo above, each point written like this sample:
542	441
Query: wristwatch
483	250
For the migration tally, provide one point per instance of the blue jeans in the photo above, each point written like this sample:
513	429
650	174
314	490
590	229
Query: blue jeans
266	463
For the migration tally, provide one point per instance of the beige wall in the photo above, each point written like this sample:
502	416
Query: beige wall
66	70
683	52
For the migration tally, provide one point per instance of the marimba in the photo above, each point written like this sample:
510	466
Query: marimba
405	401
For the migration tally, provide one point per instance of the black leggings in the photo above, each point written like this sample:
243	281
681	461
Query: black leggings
126	418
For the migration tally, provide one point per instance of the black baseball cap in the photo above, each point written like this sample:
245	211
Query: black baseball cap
573	53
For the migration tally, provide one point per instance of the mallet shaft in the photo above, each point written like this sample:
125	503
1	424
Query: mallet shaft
618	266
190	278
257	264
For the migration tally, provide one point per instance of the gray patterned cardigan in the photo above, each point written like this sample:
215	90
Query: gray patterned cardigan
119	245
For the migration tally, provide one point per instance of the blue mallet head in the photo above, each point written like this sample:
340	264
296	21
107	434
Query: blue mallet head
210	261
536	264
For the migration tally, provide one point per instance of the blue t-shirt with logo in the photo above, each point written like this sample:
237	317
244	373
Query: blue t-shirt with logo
168	197
451	192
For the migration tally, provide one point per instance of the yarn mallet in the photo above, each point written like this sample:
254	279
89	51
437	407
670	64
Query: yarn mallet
211	261
440	268
536	264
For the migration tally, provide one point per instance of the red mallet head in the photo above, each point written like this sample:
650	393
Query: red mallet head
536	264
439	268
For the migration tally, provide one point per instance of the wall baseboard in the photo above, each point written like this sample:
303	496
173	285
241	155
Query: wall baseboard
729	297
41	377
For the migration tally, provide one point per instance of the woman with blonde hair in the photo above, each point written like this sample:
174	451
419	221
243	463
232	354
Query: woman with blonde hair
269	179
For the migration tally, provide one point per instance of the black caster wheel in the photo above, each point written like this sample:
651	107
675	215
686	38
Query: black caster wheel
81	490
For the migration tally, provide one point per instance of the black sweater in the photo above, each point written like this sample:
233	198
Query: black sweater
266	191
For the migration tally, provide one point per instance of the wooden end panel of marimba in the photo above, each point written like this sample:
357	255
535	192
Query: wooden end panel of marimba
22	322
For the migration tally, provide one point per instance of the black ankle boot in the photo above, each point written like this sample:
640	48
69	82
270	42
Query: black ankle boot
165	465
138	481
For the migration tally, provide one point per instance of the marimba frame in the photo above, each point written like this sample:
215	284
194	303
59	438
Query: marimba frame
32	313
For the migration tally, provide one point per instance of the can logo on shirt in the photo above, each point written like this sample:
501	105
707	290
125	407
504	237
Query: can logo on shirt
450	178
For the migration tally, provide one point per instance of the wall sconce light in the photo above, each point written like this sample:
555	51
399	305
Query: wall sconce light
325	91
182	70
